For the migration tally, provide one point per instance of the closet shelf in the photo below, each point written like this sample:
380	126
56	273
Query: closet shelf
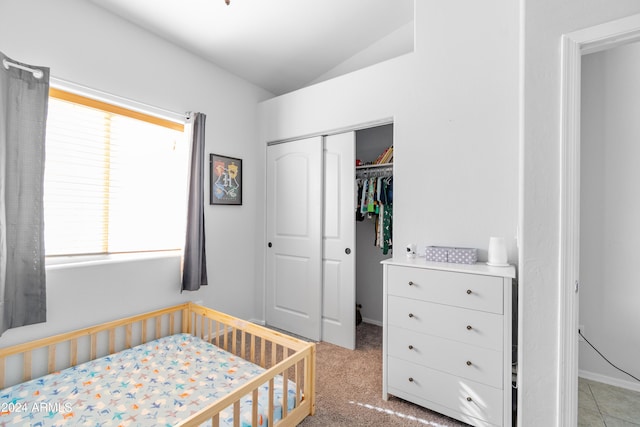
379	165
377	170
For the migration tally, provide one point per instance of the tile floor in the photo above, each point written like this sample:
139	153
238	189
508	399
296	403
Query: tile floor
603	405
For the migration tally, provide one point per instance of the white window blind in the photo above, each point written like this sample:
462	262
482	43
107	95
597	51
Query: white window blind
113	183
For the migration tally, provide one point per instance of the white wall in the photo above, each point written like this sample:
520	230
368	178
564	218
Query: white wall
454	104
83	44
455	122
609	212
544	22
394	44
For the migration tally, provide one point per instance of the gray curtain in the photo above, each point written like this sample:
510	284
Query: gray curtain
24	100
194	269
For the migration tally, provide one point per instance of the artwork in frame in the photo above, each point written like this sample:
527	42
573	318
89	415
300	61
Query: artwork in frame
225	179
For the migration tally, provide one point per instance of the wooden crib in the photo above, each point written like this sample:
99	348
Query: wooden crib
290	360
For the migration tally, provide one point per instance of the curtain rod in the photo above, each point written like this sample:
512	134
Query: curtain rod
38	74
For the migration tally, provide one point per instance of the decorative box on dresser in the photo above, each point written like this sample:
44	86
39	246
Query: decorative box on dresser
447	338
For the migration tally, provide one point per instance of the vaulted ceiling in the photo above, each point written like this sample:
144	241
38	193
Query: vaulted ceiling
279	45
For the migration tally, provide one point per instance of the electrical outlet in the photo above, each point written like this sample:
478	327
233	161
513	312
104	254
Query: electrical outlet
581	329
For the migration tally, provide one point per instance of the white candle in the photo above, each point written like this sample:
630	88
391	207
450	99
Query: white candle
497	251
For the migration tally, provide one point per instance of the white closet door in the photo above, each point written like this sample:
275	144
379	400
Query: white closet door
294	236
338	261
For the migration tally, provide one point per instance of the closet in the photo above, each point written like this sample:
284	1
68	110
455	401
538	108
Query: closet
370	143
312	254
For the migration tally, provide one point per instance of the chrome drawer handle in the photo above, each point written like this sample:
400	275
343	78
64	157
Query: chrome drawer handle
469	327
469	363
410	314
410	347
410	379
469	292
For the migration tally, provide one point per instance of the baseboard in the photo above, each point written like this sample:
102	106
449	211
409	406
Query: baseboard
617	382
372	321
364	319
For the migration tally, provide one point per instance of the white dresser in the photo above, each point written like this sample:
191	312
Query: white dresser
447	338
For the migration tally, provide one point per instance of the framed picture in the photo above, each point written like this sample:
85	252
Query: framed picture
225	180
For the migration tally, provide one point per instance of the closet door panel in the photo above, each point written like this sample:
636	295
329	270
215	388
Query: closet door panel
294	237
292	199
339	291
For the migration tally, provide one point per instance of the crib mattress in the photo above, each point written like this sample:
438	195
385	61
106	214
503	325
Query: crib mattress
157	383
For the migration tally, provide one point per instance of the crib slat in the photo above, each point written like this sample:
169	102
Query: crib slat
73	351
158	327
112	340
274	355
298	385
285	386
127	335
233	340
243	345
270	410
263	350
218	334
310	375
254	408
201	327
224	337
26	369
52	359
185	321
236	413
143	333
215	421
171	324
93	346
253	349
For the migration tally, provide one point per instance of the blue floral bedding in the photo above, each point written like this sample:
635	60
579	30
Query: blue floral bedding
154	384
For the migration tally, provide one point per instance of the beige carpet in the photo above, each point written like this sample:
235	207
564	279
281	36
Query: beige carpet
349	389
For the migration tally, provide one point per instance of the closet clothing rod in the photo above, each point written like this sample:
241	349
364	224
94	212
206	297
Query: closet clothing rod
38	74
374	172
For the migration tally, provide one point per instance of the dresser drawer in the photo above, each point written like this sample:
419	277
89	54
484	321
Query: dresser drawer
419	384
474	363
472	291
477	328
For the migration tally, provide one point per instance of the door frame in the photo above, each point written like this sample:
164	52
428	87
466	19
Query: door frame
590	40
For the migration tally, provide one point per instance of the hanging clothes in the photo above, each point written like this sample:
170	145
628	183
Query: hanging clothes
387	228
365	192
374	201
371	191
359	189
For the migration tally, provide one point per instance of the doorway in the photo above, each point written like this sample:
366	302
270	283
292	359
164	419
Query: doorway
575	45
370	144
609	236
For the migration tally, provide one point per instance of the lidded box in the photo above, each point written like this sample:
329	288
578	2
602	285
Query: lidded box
463	255
437	253
451	254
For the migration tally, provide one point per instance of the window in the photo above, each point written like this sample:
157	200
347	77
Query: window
115	179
